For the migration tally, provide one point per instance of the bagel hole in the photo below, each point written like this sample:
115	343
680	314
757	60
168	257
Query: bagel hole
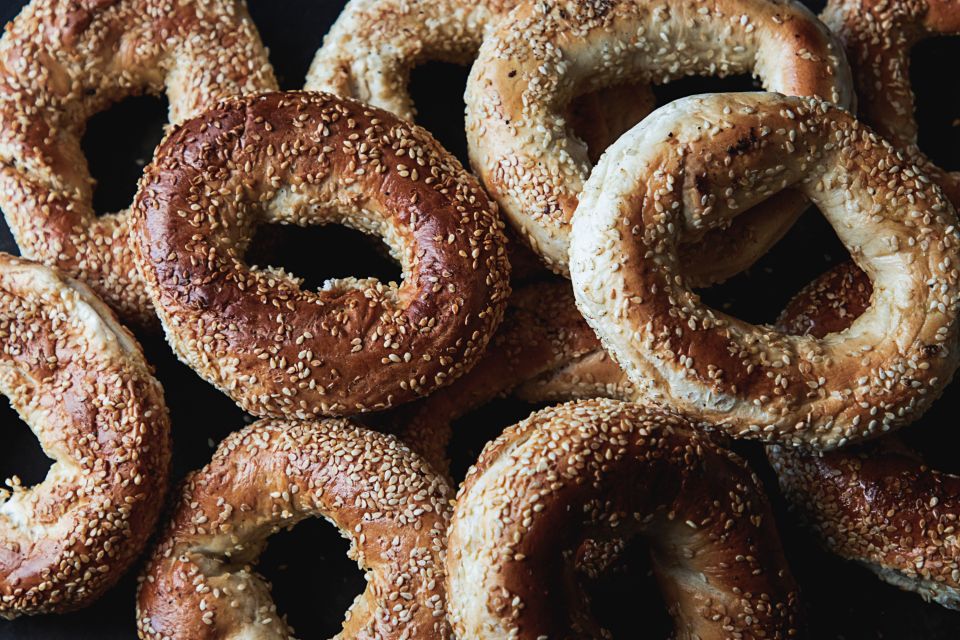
758	294
291	49
937	108
631	573
312	580
695	85
22	459
584	112
928	435
322	252
478	427
118	143
437	90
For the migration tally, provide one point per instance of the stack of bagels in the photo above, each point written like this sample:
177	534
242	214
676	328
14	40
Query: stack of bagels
618	210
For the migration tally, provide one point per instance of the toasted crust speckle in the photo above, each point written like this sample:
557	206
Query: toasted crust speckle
542	329
370	50
878	36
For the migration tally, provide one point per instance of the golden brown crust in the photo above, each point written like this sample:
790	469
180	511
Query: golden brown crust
701	160
61	61
878	505
200	583
544	53
79	380
354	345
602	469
878	36
541	330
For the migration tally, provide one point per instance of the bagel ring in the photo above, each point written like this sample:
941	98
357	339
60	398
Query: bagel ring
545	52
60	63
878	36
667	174
354	345
572	472
79	380
199	583
878	505
373	46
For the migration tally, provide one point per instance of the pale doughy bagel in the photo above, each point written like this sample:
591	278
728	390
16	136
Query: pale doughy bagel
62	61
79	380
698	162
542	329
546	52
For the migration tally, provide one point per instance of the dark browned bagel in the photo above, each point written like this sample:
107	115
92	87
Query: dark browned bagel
878	505
62	61
878	36
79	379
354	345
600	469
200	583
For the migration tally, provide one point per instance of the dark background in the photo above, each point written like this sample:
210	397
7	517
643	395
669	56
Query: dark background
313	580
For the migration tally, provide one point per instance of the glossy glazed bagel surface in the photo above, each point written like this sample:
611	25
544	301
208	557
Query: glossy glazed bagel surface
879	505
354	345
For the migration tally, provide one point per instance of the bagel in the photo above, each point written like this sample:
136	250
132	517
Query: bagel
879	505
200	584
373	46
79	380
544	53
62	61
605	469
356	344
878	36
667	175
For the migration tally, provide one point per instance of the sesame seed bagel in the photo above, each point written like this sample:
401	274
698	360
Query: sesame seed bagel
373	46
698	162
544	53
878	505
79	380
604	469
355	345
200	583
542	329
878	36
62	61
